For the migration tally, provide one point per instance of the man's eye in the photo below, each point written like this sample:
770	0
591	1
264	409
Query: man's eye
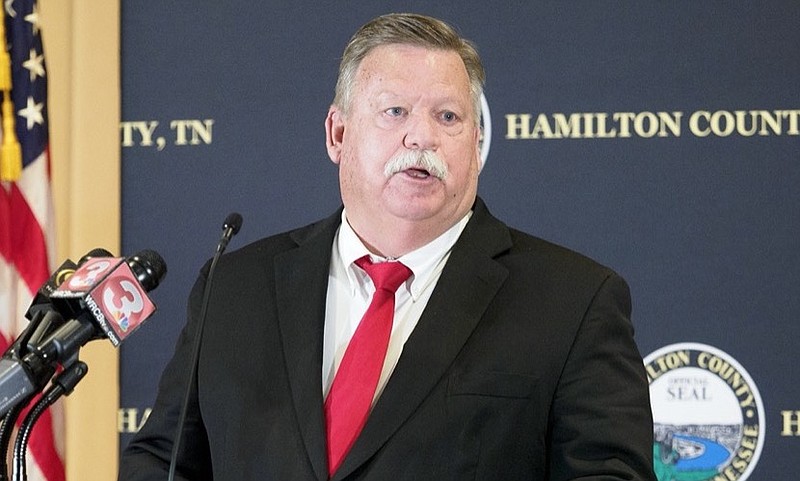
395	111
449	117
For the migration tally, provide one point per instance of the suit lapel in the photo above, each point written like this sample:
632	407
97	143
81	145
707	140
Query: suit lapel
467	285
302	280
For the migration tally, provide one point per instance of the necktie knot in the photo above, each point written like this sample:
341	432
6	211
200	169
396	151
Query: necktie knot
385	275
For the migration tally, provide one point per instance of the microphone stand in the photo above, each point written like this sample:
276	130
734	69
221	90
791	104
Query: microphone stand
230	228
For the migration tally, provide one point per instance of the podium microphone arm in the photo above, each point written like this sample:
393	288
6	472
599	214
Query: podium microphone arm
230	228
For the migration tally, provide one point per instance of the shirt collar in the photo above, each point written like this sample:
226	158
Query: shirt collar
423	262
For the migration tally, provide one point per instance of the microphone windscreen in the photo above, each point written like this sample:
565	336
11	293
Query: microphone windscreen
149	268
233	222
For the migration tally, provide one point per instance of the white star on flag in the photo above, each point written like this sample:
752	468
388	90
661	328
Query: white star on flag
32	113
33	19
35	64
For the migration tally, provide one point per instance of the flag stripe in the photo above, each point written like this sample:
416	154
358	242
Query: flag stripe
35	187
28	247
43	448
5	224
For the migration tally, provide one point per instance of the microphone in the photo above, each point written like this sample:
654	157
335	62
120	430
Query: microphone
41	301
230	228
106	297
111	294
41	313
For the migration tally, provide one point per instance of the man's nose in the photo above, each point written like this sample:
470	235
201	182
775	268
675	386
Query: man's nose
421	133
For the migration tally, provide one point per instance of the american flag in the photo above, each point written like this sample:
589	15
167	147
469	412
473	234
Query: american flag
26	214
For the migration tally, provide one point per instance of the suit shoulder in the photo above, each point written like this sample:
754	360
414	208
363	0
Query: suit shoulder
554	270
547	256
525	253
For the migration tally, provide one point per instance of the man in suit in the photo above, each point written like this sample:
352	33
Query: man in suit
505	357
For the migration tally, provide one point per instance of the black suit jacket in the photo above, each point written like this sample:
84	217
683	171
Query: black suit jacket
522	367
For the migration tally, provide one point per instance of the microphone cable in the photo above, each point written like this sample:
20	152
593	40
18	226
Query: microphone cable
230	228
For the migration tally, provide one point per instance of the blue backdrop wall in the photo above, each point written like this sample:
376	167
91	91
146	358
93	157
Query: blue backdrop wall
661	138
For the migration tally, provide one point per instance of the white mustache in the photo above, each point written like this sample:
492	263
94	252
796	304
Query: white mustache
416	159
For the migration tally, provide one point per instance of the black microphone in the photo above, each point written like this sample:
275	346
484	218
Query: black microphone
230	228
41	312
106	297
41	301
109	294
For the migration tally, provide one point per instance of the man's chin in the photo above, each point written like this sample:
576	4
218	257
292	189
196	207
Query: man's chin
418	209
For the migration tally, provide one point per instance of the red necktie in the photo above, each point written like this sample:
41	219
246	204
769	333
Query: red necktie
350	398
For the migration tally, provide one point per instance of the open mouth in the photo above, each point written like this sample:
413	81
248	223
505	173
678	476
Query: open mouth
421	166
418	173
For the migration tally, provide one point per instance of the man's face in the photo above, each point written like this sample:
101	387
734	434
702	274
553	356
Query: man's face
406	99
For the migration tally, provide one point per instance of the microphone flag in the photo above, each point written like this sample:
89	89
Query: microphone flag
110	291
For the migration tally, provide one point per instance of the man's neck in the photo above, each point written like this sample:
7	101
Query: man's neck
399	238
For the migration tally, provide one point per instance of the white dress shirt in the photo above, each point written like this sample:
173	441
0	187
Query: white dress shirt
350	292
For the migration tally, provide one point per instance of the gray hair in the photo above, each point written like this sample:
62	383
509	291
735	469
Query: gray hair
407	29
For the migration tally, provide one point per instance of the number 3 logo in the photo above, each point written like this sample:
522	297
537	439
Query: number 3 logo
130	303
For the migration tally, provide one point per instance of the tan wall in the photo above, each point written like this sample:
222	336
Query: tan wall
81	41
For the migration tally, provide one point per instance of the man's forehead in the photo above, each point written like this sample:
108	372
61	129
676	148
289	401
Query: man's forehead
394	53
400	63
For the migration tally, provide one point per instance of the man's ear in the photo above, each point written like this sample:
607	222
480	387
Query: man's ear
334	133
